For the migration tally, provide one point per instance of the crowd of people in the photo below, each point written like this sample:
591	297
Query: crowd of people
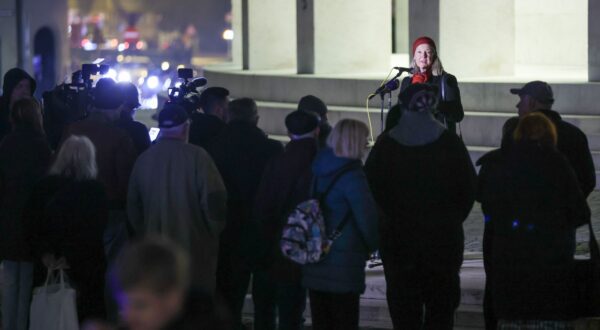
171	234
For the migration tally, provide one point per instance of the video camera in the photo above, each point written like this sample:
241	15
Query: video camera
69	102
186	95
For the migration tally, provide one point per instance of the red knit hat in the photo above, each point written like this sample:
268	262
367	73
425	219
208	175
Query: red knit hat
423	40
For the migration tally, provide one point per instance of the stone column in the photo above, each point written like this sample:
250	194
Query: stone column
424	20
269	34
343	36
401	35
236	26
593	40
477	38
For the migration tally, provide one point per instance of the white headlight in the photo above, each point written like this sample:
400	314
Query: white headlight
124	76
153	82
112	74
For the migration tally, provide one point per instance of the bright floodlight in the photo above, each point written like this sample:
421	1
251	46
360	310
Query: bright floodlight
165	66
124	76
228	34
111	74
153	82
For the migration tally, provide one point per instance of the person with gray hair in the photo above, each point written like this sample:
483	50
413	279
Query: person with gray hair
176	191
66	216
423	180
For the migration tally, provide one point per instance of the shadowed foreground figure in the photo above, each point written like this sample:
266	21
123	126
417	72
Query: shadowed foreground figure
424	183
155	291
67	214
277	289
176	191
336	283
532	203
240	153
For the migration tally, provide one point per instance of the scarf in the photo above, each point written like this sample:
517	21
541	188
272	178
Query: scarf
421	78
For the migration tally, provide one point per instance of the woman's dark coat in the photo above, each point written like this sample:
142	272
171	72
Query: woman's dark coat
532	204
449	110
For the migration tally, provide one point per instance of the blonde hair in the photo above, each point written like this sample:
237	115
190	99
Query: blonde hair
535	127
76	159
436	67
27	113
348	139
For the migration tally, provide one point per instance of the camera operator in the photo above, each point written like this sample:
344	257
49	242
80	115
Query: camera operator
136	130
17	85
115	154
208	124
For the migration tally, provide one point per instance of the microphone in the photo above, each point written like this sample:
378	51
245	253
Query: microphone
402	69
389	86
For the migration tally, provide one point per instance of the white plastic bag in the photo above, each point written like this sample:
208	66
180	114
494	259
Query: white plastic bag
53	306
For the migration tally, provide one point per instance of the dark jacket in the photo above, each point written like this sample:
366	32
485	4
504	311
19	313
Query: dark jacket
572	143
204	129
24	159
343	270
115	154
425	192
241	153
449	110
532	204
137	131
285	183
67	218
11	79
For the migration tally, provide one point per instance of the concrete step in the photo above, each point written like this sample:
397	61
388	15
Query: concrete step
374	313
478	128
352	89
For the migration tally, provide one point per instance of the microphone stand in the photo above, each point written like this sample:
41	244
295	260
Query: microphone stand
382	95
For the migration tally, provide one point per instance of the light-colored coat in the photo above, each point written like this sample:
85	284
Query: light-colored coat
176	191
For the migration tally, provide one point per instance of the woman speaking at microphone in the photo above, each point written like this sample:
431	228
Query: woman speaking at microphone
427	69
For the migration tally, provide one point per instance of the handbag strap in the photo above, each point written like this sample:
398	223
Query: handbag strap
593	244
336	177
337	232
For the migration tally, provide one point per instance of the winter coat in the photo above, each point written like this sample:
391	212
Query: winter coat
67	218
204	129
137	131
532	204
176	191
115	154
241	153
343	270
424	184
449	110
24	159
11	79
285	183
572	143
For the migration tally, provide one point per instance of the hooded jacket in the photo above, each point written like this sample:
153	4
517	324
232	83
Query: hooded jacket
424	183
11	79
343	270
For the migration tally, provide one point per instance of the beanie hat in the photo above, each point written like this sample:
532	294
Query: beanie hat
301	122
421	41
